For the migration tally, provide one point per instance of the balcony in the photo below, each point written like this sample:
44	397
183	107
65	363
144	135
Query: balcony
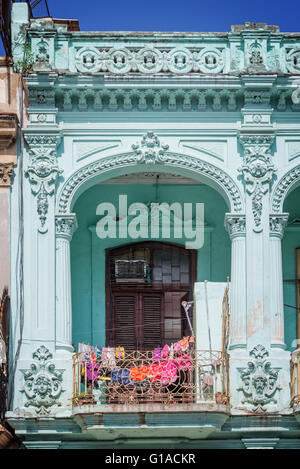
141	377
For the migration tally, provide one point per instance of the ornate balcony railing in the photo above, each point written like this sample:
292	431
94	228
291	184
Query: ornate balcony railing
140	377
295	378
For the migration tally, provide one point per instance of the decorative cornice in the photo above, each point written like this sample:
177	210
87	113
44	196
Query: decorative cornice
278	223
171	159
65	225
209	96
257	171
6	172
235	225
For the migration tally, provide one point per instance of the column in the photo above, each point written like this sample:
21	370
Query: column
236	227
277	225
65	227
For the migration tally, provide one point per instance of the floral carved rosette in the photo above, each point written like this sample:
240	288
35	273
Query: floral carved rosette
42	382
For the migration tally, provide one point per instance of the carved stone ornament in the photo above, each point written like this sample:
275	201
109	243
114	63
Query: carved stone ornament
65	226
42	382
277	224
235	225
6	172
259	381
149	60
150	150
170	159
283	187
293	61
43	171
257	171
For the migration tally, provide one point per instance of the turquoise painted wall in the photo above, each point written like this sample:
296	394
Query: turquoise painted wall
290	242
88	251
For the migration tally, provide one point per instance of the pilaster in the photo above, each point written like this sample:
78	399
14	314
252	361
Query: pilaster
236	227
65	227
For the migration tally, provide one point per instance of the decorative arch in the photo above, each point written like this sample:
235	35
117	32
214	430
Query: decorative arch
284	186
132	162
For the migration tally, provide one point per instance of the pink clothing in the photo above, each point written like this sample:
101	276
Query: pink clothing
168	373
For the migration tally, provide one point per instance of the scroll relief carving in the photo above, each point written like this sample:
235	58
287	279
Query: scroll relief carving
42	382
259	380
43	172
257	171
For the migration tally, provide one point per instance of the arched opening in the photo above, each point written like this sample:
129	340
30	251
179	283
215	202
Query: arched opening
91	284
291	270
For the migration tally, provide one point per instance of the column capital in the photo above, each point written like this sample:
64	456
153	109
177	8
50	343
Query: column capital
6	172
65	225
278	223
235	224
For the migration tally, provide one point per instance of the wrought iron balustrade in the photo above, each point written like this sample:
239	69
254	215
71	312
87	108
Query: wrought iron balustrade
141	377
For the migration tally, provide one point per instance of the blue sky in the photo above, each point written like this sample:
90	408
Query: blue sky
175	15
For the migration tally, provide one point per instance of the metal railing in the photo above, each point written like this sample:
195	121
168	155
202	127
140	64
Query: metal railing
140	377
295	378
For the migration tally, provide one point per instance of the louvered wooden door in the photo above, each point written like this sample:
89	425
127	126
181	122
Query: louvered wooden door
138	320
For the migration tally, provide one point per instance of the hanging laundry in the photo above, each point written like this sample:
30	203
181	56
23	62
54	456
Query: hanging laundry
84	348
165	351
120	353
121	376
168	373
91	371
157	354
108	357
183	362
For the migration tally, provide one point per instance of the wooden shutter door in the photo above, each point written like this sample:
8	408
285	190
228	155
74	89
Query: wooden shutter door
152	319
124	311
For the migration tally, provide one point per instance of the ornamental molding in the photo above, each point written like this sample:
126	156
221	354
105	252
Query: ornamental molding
6	172
278	223
150	150
76	96
259	381
65	226
283	187
42	382
257	171
43	172
150	60
235	225
217	175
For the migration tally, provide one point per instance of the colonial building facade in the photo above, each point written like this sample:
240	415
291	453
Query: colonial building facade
209	118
